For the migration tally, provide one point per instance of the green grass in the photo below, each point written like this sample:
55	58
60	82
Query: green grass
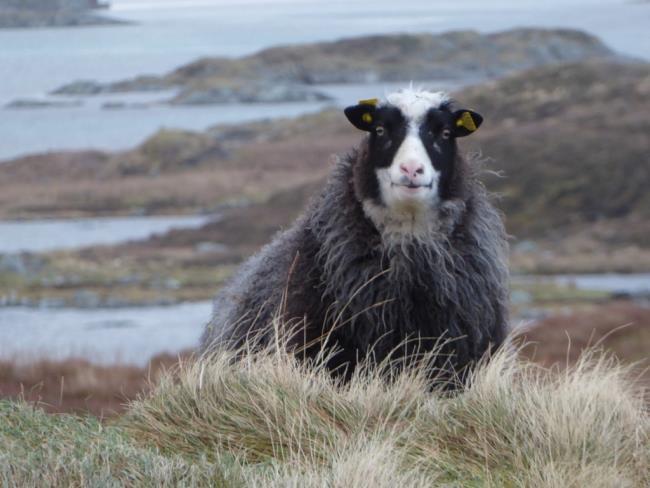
38	449
267	421
129	281
549	293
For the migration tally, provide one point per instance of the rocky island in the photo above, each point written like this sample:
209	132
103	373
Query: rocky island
53	13
293	73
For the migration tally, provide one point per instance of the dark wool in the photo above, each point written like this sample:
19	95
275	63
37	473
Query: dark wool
343	281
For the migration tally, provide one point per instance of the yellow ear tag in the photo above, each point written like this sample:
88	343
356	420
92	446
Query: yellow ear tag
369	101
367	118
466	121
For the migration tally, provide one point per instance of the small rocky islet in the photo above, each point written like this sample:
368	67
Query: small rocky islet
15	14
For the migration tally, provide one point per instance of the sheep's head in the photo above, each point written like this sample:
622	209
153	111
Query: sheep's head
410	164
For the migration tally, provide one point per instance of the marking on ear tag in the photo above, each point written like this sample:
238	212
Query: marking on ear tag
466	121
369	101
367	118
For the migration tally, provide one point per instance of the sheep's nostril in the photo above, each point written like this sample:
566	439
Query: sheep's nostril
411	169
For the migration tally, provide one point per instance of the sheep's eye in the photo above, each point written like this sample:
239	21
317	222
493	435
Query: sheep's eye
446	134
380	131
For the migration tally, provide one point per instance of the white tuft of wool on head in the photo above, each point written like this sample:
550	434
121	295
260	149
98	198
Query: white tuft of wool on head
416	102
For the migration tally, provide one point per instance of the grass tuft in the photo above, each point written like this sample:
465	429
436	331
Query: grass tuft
518	424
267	420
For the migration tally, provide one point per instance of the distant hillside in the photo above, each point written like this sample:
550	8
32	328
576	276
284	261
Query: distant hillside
51	13
565	139
573	143
287	71
452	55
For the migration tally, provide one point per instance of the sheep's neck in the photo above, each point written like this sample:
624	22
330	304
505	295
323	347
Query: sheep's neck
413	222
403	221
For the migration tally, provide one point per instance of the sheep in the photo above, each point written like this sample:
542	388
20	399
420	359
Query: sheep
401	247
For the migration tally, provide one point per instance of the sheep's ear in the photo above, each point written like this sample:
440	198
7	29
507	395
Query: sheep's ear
362	115
466	122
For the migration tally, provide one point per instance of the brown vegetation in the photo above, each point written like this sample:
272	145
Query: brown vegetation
78	386
572	142
165	176
621	328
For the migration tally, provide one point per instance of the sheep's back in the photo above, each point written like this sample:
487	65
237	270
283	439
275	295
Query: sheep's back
254	294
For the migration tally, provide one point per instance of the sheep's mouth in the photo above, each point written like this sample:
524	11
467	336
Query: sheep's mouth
413	186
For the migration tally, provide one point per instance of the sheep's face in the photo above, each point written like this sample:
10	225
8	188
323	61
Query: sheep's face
411	150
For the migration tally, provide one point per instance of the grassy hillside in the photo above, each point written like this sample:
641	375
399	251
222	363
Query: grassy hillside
248	162
573	144
265	421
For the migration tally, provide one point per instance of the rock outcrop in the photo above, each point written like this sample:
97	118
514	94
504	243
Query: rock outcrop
286	73
53	13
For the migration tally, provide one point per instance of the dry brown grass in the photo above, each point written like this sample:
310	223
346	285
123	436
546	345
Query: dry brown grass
620	328
268	421
78	386
89	183
516	424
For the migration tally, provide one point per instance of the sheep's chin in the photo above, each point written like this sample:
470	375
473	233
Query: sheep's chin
405	199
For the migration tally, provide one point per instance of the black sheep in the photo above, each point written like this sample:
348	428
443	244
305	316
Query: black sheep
400	252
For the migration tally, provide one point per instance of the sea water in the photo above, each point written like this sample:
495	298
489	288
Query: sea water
60	234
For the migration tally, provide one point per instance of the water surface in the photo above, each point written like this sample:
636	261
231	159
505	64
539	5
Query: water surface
57	234
631	284
103	336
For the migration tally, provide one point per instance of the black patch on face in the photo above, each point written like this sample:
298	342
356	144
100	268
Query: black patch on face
388	131
437	134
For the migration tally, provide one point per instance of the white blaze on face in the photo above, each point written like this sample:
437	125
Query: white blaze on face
410	183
